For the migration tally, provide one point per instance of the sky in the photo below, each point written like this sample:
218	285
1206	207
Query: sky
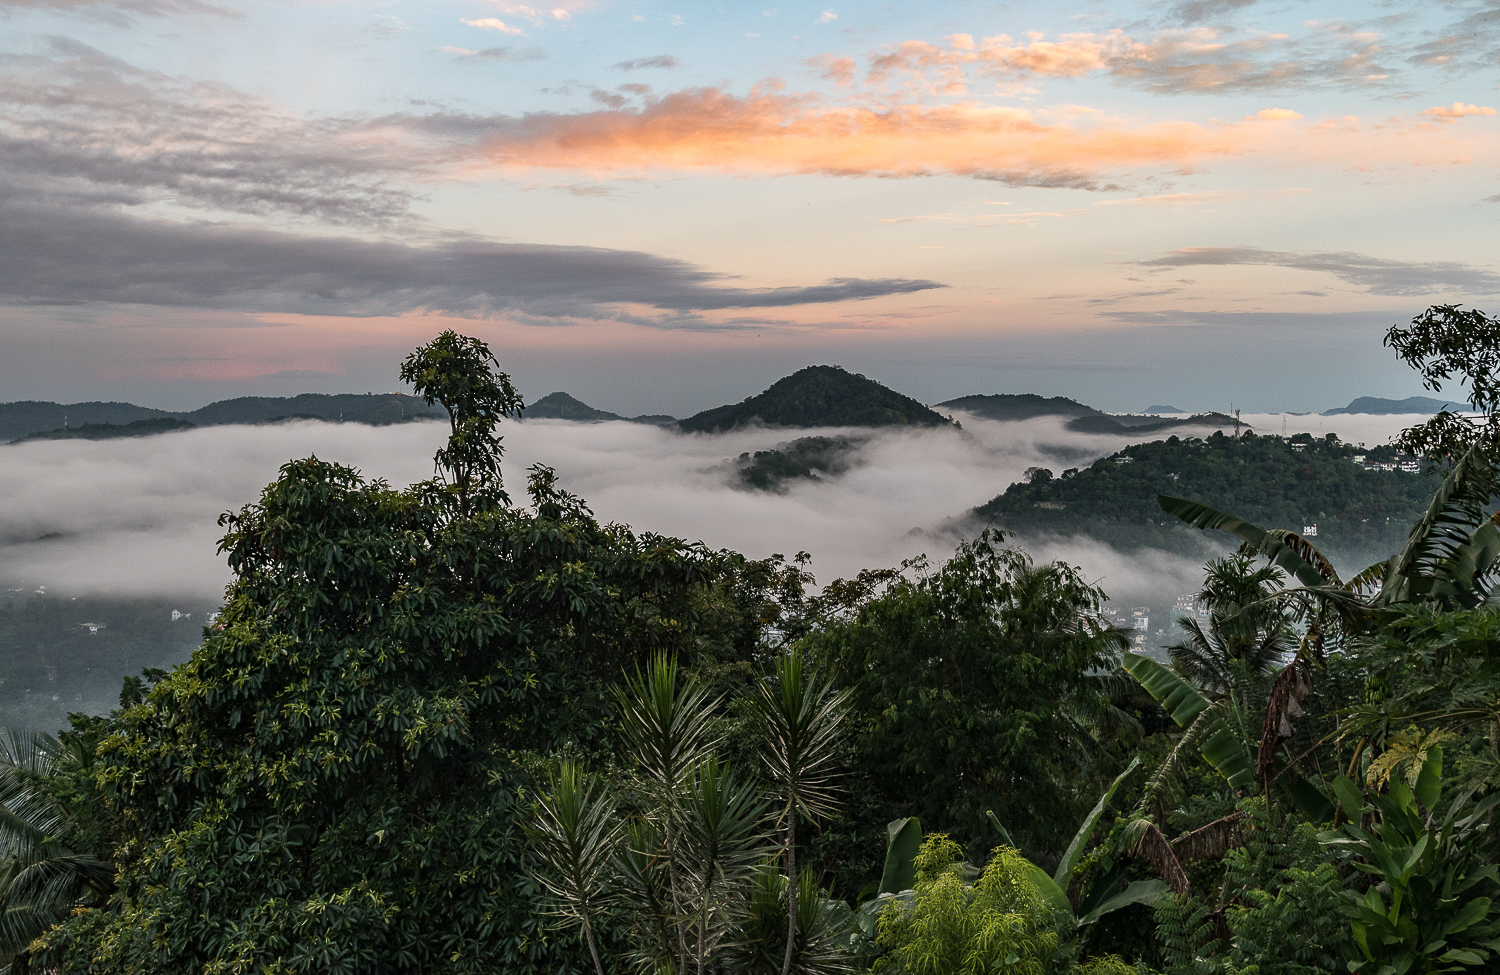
662	207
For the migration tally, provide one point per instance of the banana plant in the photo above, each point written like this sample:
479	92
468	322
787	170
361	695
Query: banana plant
1222	747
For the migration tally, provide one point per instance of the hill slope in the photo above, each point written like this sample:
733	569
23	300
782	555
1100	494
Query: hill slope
1362	514
562	406
1018	406
32	417
818	396
1412	404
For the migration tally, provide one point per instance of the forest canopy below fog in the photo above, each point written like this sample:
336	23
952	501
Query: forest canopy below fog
466	726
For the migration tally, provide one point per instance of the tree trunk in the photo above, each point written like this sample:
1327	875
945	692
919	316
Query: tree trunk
588	935
791	889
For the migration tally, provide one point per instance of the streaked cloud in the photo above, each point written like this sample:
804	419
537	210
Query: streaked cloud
494	23
1181	61
772	133
497	53
147	8
79	125
91	256
1375	275
660	61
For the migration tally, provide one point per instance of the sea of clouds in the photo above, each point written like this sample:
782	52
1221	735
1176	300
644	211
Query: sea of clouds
139	516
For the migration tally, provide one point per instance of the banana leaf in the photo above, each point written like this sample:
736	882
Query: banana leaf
1221	747
903	840
1286	549
1449	541
1137	892
1070	856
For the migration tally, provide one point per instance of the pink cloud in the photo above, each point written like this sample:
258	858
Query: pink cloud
1457	110
1273	115
773	134
494	23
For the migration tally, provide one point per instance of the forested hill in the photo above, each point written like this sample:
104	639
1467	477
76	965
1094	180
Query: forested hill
819	396
1019	406
25	418
1362	515
562	406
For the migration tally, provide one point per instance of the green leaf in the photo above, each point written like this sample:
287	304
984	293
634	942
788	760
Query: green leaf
1004	835
1221	747
1070	856
1181	699
1313	804
1430	780
903	840
1054	895
1351	797
1468	916
1139	892
1282	548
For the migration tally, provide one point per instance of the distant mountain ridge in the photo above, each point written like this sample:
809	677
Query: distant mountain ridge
562	406
1018	406
818	396
1374	405
29	417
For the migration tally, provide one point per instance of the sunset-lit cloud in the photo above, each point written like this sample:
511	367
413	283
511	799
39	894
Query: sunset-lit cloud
1457	110
324	168
494	23
773	133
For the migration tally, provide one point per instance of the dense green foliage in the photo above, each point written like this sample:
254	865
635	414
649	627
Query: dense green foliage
1107	423
818	396
339	768
1362	515
805	458
968	679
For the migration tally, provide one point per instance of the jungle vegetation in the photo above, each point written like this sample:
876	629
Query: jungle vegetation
1361	514
818	396
448	729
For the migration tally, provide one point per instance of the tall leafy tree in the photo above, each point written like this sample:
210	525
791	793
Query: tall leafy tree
333	782
984	684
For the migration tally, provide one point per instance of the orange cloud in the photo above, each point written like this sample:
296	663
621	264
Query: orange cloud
1172	62
1457	110
771	133
1273	115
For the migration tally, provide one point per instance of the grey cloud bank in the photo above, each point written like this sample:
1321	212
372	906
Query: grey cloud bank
74	255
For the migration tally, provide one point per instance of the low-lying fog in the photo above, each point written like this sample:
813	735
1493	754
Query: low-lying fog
139	516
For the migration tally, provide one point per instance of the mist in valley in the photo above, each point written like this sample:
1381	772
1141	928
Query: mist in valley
105	528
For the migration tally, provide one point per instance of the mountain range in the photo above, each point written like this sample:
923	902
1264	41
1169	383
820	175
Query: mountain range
816	396
561	406
1412	404
57	420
